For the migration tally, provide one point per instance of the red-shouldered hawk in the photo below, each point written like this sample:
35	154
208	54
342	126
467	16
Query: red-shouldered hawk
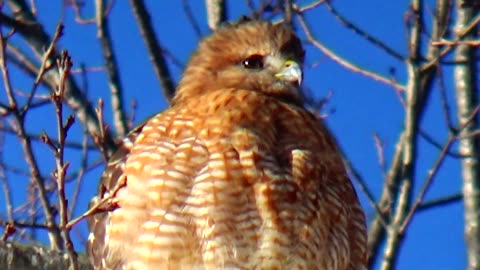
236	174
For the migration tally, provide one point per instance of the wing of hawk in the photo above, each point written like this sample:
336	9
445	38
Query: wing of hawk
236	174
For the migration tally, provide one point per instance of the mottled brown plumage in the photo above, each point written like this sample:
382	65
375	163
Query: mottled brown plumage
236	174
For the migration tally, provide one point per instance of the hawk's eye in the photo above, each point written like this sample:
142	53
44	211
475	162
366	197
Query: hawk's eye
253	62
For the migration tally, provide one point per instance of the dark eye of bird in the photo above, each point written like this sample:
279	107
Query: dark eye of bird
253	62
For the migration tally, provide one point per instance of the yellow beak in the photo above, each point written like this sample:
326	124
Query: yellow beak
291	72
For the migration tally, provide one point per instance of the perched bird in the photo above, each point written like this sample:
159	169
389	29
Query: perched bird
236	174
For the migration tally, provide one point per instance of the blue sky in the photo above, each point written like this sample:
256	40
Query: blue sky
362	107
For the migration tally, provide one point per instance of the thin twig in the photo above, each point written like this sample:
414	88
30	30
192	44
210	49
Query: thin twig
100	204
81	173
78	16
99	137
115	83
191	18
443	99
45	65
38	137
364	188
427	183
473	43
356	29
343	62
438	145
288	12
308	6
19	224
64	64
440	202
379	145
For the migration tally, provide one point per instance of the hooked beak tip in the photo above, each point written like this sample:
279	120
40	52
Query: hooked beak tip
291	72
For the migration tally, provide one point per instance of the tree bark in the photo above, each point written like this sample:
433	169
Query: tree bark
466	92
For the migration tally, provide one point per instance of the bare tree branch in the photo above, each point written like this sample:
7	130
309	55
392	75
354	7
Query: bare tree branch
440	202
154	48
409	144
191	18
216	13
465	73
116	89
377	233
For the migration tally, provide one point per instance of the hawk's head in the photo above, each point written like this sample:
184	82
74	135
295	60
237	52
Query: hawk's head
249	55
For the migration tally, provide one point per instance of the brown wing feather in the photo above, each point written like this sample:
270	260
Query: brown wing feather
97	223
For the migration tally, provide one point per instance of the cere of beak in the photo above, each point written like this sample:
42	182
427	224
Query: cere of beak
291	72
